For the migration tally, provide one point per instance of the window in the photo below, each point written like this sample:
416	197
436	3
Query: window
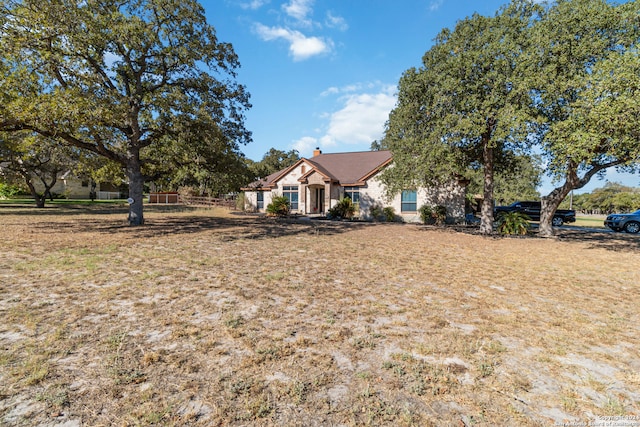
291	193
409	201
260	201
353	193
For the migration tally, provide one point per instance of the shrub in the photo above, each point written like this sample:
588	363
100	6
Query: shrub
279	206
389	214
513	223
241	202
376	213
7	190
343	209
433	215
440	214
426	214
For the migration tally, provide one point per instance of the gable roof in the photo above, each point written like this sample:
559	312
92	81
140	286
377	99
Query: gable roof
344	168
352	168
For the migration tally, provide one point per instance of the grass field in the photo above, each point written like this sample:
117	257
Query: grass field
205	318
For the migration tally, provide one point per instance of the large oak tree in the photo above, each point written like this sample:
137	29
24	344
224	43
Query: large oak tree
462	108
140	82
583	71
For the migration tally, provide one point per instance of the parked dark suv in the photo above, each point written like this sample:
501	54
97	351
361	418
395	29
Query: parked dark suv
627	222
532	210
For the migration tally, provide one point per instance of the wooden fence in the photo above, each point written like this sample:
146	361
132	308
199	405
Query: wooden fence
175	198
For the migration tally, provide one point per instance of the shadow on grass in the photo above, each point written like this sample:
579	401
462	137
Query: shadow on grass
60	208
619	242
240	228
236	226
596	238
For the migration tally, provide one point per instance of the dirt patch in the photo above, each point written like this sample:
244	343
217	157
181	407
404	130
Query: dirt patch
205	319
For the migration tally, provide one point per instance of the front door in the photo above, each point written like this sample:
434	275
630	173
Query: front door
320	200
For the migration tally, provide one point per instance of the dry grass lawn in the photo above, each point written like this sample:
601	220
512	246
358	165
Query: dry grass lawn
204	319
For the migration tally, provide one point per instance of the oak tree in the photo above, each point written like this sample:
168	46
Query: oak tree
36	161
134	81
463	107
583	73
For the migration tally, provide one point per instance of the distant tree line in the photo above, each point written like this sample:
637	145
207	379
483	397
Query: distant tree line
613	197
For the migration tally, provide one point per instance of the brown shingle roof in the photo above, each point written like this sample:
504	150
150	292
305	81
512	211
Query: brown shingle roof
345	168
351	168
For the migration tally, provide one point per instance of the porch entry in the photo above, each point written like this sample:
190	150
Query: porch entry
317	200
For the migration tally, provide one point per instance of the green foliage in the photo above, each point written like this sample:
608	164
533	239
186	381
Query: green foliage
345	208
613	197
375	211
273	161
8	190
279	206
389	214
584	83
37	161
241	202
517	179
426	214
513	223
433	214
164	103
465	106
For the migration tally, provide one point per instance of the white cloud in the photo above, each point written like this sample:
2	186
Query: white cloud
305	145
344	89
299	9
336	22
253	4
301	47
435	5
360	120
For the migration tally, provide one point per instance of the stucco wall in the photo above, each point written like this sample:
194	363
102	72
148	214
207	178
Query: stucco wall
70	187
452	197
371	194
251	200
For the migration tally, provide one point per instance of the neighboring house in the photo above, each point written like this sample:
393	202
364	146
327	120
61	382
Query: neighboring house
315	185
72	187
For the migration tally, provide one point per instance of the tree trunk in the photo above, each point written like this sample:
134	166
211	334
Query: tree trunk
486	215
39	199
548	207
136	186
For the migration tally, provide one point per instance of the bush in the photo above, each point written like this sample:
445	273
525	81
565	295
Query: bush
241	202
433	215
513	223
376	213
343	209
440	214
389	214
279	206
426	214
7	190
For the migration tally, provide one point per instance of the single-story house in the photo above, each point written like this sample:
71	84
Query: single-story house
72	187
316	184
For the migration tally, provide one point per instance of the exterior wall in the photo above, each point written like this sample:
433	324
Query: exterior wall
372	194
251	201
71	188
292	179
452	197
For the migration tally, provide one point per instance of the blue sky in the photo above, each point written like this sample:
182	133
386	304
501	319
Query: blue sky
324	73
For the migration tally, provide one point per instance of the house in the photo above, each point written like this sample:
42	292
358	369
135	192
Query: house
316	184
72	187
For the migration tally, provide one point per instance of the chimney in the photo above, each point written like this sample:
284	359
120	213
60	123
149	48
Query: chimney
317	152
